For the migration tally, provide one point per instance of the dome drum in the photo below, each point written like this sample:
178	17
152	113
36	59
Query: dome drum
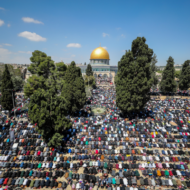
99	61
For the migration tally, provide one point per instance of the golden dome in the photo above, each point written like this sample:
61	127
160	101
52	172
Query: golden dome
99	53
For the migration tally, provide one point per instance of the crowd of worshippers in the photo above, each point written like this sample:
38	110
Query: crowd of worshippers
143	151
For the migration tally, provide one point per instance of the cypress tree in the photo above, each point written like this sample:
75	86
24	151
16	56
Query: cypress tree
6	90
168	83
153	68
89	71
74	89
133	80
184	79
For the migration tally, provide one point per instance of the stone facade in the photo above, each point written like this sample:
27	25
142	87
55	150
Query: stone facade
105	70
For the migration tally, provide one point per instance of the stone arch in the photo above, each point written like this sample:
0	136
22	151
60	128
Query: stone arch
107	73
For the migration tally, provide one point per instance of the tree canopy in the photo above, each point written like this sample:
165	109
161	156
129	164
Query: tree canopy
134	77
184	78
89	80
61	68
47	109
74	89
15	73
17	82
41	64
168	83
34	83
47	105
6	90
89	71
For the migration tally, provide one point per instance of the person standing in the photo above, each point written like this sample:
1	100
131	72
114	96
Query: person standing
12	135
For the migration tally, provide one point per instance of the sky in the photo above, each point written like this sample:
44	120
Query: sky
70	30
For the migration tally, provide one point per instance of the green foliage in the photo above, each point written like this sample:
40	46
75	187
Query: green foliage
153	69
159	71
177	74
17	82
184	79
6	90
47	106
47	109
61	68
17	72
59	74
34	83
41	64
168	83
25	106
115	80
13	72
133	81
89	71
89	80
74	89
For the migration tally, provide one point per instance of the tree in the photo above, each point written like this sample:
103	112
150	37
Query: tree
133	80
47	106
41	64
184	79
34	83
17	82
115	79
153	69
74	89
168	83
60	74
47	109
84	63
89	71
6	90
61	68
89	80
17	72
